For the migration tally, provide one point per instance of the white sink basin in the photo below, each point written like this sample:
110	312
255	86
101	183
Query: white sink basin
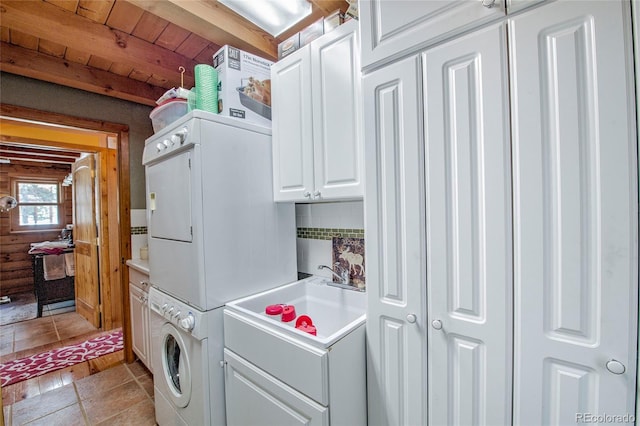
335	312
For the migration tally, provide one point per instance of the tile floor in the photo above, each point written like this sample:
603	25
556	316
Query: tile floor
102	391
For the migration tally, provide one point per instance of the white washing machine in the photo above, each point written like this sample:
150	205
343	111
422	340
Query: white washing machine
187	347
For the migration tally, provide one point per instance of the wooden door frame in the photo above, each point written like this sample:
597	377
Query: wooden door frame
115	227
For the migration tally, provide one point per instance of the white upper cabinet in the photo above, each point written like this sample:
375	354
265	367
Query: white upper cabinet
317	146
394	28
292	140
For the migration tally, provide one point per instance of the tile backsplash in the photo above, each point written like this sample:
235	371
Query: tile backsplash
138	231
317	224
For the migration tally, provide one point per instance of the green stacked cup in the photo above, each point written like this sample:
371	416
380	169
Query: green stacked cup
206	88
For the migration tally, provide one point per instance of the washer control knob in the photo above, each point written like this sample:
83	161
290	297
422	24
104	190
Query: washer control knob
170	311
188	322
176	315
160	146
180	137
164	307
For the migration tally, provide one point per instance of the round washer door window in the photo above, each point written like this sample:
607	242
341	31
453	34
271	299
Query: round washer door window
175	366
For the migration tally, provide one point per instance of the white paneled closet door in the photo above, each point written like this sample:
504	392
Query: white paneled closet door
575	212
394	199
468	211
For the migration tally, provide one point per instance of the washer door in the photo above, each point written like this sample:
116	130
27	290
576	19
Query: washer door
176	370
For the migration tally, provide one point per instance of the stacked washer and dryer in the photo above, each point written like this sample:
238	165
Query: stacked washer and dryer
215	235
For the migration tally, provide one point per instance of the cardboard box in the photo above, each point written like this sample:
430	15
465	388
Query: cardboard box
312	32
333	21
244	85
289	46
352	11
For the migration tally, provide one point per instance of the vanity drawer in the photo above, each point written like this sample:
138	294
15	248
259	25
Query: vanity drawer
301	366
138	279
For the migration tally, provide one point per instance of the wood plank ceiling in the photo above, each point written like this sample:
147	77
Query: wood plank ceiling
128	49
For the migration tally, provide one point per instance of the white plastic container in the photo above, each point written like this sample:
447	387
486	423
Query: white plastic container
167	113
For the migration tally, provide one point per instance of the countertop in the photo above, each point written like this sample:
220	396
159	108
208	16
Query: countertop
139	265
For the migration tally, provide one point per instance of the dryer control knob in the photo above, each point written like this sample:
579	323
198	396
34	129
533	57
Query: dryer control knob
188	322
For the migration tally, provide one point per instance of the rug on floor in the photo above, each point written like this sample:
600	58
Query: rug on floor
22	307
26	368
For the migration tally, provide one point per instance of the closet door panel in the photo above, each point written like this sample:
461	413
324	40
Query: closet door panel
468	234
396	285
575	216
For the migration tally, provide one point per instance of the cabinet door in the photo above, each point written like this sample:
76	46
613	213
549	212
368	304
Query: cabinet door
256	398
392	28
575	213
139	323
468	233
517	5
396	282
335	64
292	127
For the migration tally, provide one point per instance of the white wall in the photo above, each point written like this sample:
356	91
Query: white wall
339	216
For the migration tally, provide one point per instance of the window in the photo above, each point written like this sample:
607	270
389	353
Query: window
39	204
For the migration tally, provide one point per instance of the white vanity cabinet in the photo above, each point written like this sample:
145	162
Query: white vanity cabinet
274	378
139	311
317	145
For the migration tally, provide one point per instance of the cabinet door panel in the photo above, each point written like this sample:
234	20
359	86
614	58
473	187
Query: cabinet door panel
468	182
391	28
139	323
292	127
336	105
575	216
254	398
394	202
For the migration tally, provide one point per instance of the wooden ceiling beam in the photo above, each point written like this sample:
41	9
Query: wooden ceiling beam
46	143
29	63
38	158
213	21
46	21
6	149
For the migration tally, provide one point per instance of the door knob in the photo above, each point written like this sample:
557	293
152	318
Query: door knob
615	366
307	194
411	318
317	194
437	324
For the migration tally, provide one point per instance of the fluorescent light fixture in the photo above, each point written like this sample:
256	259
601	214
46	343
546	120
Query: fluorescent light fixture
273	16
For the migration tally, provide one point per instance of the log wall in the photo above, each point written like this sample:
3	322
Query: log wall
16	269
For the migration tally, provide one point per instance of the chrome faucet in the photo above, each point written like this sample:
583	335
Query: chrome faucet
343	276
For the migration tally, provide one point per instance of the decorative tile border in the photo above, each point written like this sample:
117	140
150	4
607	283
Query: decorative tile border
138	230
328	233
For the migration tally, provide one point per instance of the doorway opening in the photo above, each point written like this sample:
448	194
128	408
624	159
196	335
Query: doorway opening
108	144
